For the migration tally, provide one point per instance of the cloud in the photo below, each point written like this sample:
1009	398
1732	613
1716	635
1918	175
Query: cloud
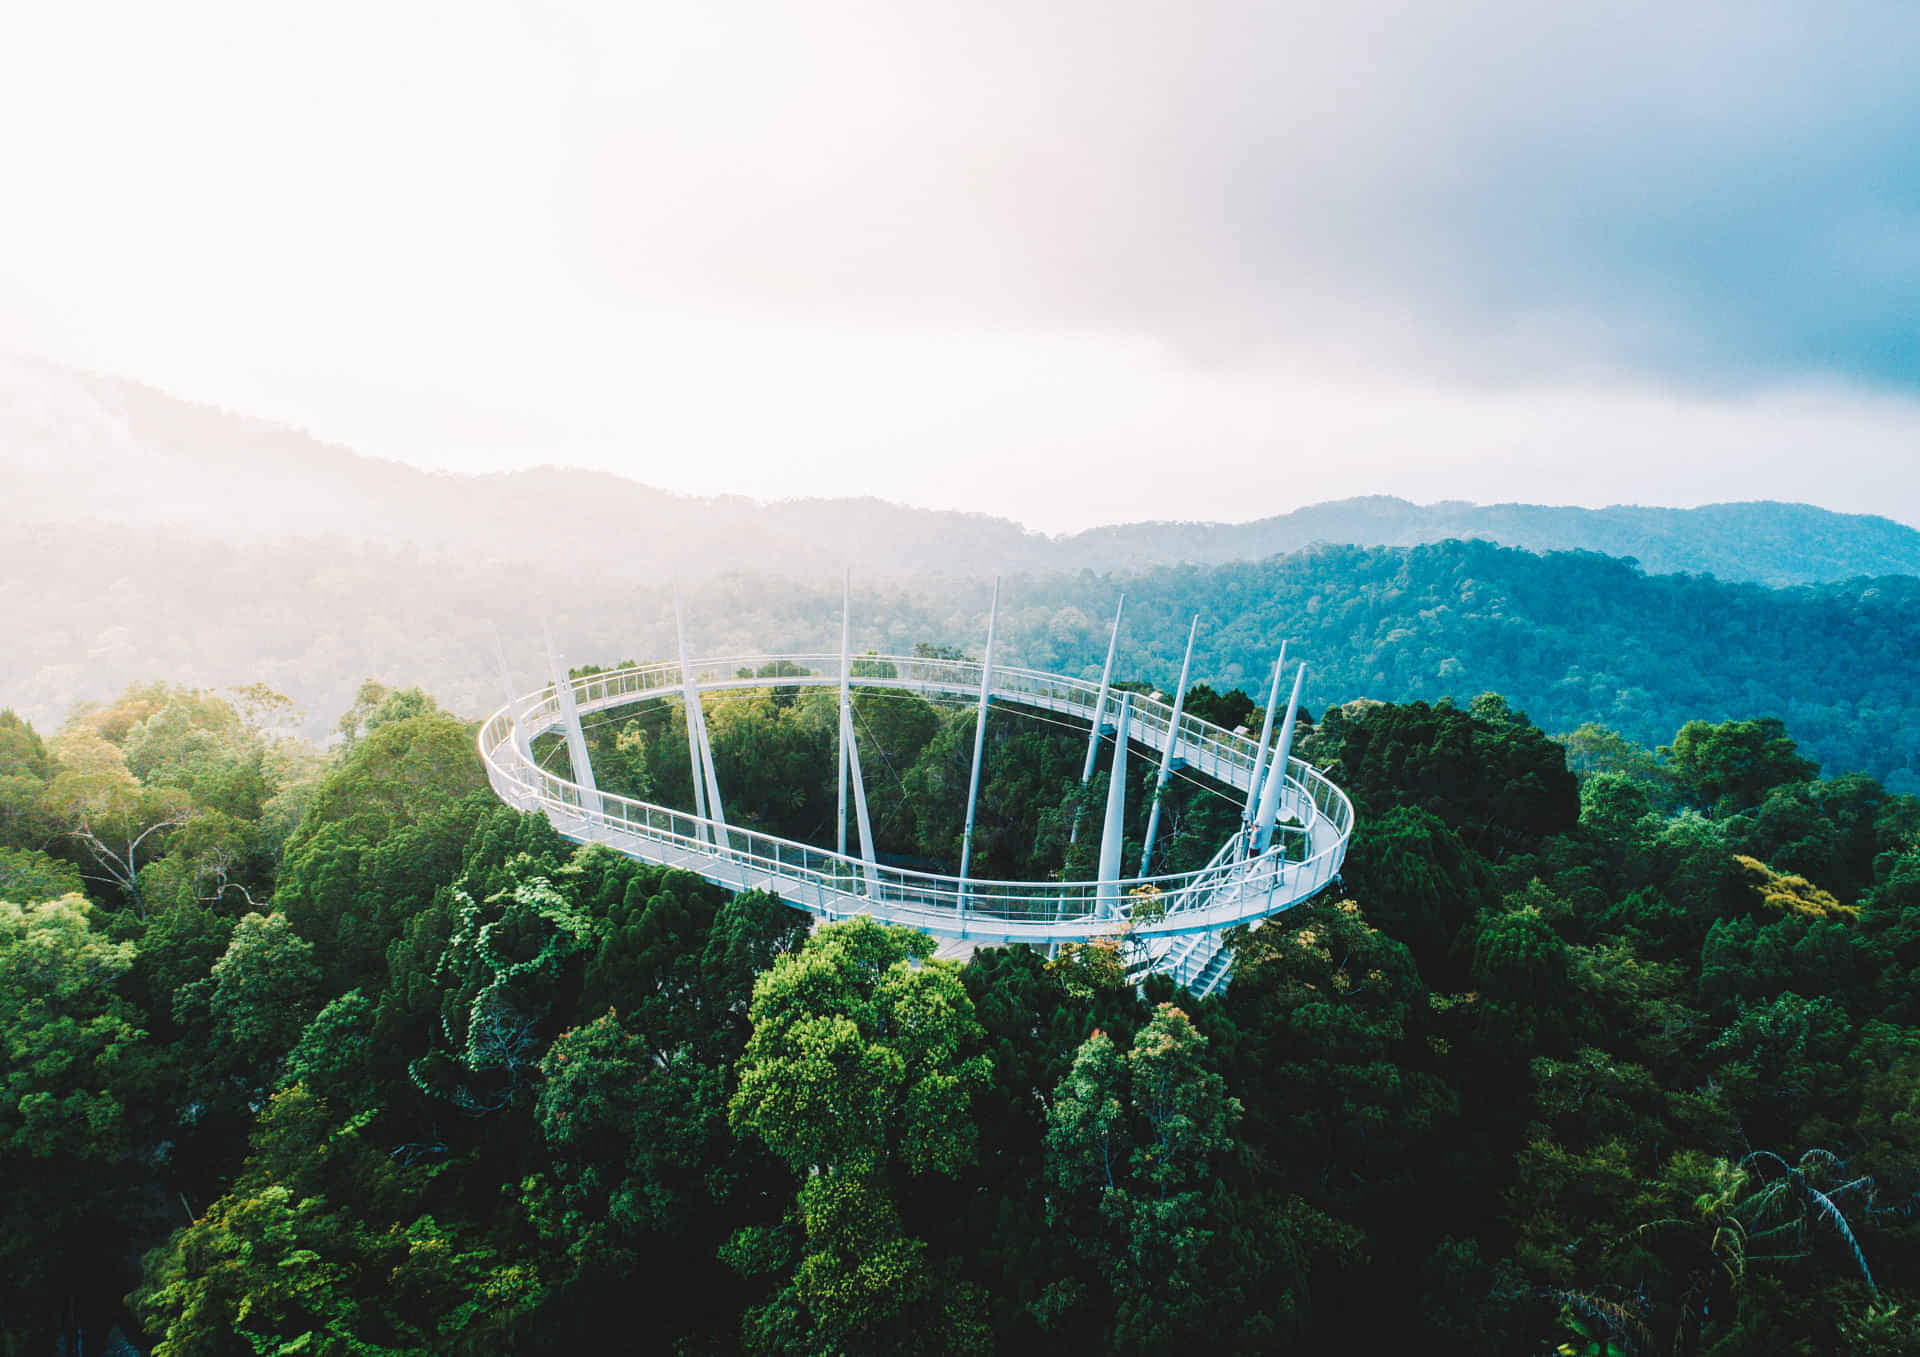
1063	261
1726	190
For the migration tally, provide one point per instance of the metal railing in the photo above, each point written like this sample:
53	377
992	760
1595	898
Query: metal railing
1304	855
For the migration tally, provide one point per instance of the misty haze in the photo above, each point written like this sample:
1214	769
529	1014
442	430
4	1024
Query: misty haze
896	679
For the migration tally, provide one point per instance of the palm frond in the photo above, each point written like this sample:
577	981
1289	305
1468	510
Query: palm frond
1835	1219
1637	1338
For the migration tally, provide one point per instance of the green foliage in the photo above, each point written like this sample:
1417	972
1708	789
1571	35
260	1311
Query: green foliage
68	1037
31	876
402	771
860	1067
1331	1018
366	1062
331	1057
75	1065
22	752
1783	1063
500	974
1520	963
376	705
1492	777
859	1056
1421	883
306	1254
635	1145
263	990
1136	1145
1594	750
1734	764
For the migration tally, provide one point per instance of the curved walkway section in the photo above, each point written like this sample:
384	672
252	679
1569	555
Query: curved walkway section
1234	888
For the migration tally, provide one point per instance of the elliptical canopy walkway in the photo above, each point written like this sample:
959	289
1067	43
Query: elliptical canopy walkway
1178	916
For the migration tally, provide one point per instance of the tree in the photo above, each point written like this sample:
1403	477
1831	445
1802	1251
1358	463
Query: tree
1791	894
1831	831
750	932
771	754
263	992
117	823
1784	1063
1612	809
75	1059
316	1250
860	1070
1333	1034
1732	1219
376	705
1595	750
351	892
30	876
1135	1150
1520	963
1734	764
858	1058
500	975
27	819
63	1023
1489	775
199	743
630	1138
1089	1136
1420	883
331	1059
399	772
22	752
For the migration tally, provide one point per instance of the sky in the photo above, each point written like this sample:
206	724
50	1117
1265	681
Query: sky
1069	263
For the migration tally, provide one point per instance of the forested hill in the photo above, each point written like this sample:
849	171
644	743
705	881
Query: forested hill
338	1055
1762	542
78	449
1571	638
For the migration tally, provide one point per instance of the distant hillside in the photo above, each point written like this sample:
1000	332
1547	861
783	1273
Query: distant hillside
1762	542
1568	637
80	448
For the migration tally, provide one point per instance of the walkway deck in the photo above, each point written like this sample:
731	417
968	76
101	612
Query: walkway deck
1190	908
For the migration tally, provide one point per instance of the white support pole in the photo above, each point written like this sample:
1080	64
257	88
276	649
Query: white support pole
521	742
979	734
1266	733
714	808
846	699
576	737
1277	771
1106	686
1114	831
867	854
1166	757
706	785
1099	711
691	699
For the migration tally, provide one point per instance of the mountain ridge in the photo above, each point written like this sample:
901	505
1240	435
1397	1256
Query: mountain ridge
80	447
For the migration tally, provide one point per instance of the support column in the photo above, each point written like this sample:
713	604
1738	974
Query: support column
576	737
867	854
979	734
1266	731
1114	831
521	743
706	785
1099	711
1166	758
1277	771
846	699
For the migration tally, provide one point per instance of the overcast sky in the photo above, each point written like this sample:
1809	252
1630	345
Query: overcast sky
1068	262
